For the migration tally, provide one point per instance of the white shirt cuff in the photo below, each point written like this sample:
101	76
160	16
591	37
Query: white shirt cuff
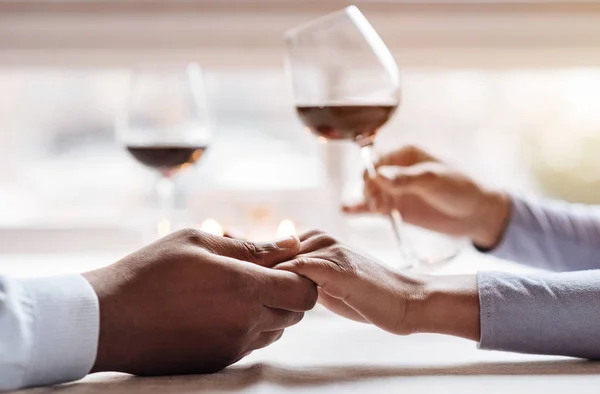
66	325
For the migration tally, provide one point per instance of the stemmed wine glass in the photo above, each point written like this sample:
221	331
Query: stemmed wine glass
346	87
165	125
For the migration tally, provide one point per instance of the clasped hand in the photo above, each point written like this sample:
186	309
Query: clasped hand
196	303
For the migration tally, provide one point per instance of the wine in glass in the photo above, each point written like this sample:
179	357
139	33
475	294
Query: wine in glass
166	126
346	86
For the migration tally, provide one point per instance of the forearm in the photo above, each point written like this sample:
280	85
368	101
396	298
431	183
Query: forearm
551	235
550	313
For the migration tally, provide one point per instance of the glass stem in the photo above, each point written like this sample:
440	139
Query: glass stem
165	190
409	260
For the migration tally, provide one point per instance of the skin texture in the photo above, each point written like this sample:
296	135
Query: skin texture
195	303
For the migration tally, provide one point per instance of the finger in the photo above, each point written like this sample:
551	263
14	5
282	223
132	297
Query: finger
265	339
266	254
317	240
361	207
385	204
339	307
269	254
278	319
288	291
378	200
406	156
327	275
415	179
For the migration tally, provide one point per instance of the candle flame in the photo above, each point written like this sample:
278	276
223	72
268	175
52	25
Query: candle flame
211	226
286	228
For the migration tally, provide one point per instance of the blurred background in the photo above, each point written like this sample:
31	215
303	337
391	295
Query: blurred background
508	91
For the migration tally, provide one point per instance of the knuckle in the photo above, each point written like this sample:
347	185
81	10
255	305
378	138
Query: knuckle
252	250
278	335
411	149
412	153
299	264
343	259
272	337
296	318
312	233
191	235
324	239
428	175
338	251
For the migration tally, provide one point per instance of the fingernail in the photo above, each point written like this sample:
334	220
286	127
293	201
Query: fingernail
287	242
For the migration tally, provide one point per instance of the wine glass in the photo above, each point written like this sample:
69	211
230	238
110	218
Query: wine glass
165	126
346	86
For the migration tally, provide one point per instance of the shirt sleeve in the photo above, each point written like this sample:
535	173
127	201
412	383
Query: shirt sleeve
547	313
553	235
49	330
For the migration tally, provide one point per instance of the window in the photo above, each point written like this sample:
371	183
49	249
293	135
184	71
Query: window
492	99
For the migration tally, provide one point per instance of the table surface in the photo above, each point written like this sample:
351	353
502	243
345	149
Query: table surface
328	354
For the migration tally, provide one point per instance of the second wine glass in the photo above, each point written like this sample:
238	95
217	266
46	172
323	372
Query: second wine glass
166	126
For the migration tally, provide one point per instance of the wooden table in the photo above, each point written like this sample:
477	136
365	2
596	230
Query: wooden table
328	354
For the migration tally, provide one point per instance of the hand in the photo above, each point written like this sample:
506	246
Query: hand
432	195
195	303
359	287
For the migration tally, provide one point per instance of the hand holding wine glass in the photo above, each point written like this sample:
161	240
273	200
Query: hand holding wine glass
431	194
347	86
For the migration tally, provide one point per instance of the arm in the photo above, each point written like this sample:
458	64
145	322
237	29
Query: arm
552	235
48	330
431	194
188	303
546	313
550	313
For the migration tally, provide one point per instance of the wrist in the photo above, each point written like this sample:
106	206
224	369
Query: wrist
490	219
106	342
449	305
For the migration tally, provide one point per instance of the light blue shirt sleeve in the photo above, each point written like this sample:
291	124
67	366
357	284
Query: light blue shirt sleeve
545	313
552	235
49	330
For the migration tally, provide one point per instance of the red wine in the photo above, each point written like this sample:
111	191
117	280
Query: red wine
167	158
346	122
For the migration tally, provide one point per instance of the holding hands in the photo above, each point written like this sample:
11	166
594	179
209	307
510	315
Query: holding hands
357	286
193	302
429	194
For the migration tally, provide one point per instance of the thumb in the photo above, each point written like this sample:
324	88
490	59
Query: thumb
266	254
269	254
